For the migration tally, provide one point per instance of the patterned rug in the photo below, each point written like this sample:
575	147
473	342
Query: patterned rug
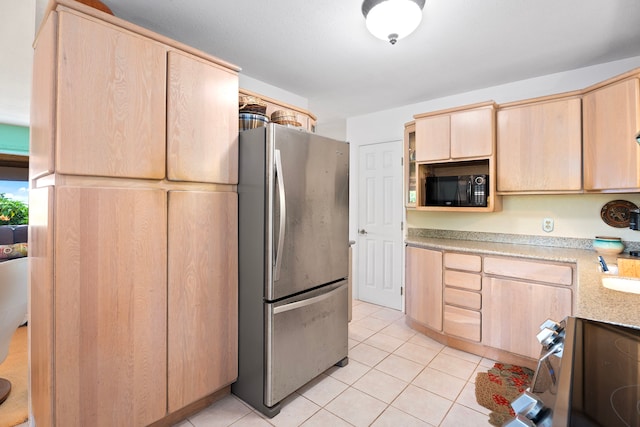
498	387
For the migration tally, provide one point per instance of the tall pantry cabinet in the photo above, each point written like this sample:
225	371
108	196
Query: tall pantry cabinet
133	232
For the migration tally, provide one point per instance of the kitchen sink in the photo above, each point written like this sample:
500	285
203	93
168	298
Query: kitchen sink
622	284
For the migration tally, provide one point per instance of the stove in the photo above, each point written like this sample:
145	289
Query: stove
588	375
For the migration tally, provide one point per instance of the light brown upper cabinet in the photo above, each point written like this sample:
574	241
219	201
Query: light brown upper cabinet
454	145
111	101
539	145
202	118
458	133
611	119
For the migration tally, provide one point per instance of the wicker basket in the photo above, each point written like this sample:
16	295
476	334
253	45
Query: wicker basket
285	117
251	104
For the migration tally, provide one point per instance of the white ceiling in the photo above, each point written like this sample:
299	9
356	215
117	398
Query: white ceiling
321	50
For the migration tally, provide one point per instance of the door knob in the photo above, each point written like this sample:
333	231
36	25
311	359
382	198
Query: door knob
362	231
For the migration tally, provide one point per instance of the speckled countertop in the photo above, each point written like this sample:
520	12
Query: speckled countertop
592	300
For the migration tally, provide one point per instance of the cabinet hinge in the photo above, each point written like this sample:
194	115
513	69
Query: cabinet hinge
401	225
401	290
401	161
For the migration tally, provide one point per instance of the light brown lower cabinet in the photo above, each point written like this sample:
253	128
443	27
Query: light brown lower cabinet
202	294
514	310
109	311
488	305
134	302
424	286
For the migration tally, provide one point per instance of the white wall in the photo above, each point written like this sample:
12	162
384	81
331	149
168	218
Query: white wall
575	215
17	28
265	89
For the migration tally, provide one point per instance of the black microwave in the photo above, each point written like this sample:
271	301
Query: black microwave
461	190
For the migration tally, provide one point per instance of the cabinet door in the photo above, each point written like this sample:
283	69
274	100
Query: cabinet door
202	121
432	138
472	133
410	168
110	306
610	121
424	286
111	101
540	147
203	294
513	311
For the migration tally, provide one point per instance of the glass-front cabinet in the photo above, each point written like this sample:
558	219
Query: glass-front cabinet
410	172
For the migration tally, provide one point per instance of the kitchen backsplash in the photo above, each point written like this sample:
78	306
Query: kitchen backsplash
519	239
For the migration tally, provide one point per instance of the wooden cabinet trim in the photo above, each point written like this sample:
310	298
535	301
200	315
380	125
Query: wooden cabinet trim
615	79
486	104
541	99
284	105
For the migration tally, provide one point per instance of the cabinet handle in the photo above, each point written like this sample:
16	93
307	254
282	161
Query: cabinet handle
283	215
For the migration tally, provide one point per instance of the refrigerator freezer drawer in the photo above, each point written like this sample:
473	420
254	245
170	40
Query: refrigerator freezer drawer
306	335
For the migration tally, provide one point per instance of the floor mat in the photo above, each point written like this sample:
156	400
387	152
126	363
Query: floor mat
500	386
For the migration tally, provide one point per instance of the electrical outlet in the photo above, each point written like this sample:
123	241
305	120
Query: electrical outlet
547	224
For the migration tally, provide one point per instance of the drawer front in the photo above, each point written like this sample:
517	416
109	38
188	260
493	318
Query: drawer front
464	280
463	262
462	323
559	274
471	300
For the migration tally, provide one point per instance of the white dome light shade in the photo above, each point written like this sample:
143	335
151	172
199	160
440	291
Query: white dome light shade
392	20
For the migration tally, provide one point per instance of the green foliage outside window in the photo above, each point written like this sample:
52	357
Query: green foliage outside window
13	212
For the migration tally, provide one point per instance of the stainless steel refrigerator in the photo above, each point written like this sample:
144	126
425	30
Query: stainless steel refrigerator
293	196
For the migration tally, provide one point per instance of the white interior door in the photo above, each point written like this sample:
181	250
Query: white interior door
380	224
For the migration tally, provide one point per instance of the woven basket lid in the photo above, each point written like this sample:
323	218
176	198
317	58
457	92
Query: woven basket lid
283	115
244	100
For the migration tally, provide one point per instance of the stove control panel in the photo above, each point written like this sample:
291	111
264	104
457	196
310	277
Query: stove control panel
530	412
529	407
551	336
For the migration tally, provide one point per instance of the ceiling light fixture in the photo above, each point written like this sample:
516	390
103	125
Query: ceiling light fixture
392	20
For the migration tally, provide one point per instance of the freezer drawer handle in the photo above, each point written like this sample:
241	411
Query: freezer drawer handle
303	303
283	216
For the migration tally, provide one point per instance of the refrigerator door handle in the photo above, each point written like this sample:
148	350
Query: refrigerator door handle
283	215
304	302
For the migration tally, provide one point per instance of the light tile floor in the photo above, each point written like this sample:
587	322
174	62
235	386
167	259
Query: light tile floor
395	377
